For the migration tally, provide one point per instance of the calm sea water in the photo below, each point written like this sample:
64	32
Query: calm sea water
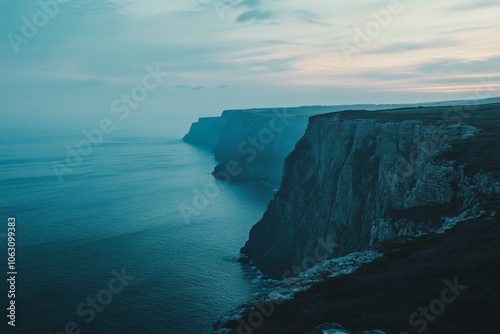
119	210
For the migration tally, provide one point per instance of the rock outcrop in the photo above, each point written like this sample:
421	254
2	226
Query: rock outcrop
438	283
206	132
255	142
362	177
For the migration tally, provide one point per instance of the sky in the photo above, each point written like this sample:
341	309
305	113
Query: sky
64	64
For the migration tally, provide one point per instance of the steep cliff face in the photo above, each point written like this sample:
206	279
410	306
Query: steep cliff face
259	140
360	177
206	132
255	142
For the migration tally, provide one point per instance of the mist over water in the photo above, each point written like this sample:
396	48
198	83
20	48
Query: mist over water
119	209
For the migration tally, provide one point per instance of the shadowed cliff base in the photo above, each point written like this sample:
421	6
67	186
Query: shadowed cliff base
455	274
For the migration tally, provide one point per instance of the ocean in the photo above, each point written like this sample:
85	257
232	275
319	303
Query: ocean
107	249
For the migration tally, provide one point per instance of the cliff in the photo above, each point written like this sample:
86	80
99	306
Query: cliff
258	140
361	177
438	283
206	132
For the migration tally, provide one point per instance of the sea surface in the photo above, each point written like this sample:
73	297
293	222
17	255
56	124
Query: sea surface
118	210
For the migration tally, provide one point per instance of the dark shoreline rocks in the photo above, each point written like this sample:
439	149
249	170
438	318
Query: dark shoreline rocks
385	293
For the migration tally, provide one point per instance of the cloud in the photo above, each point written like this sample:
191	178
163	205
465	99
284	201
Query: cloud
280	42
190	87
307	16
51	67
475	4
397	48
251	3
296	61
467	29
275	65
465	80
255	15
454	65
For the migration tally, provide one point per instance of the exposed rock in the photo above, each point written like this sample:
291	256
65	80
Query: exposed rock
338	329
387	293
330	329
288	288
206	132
260	139
360	177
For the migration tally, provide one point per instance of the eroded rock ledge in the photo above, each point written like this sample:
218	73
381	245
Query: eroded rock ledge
387	293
